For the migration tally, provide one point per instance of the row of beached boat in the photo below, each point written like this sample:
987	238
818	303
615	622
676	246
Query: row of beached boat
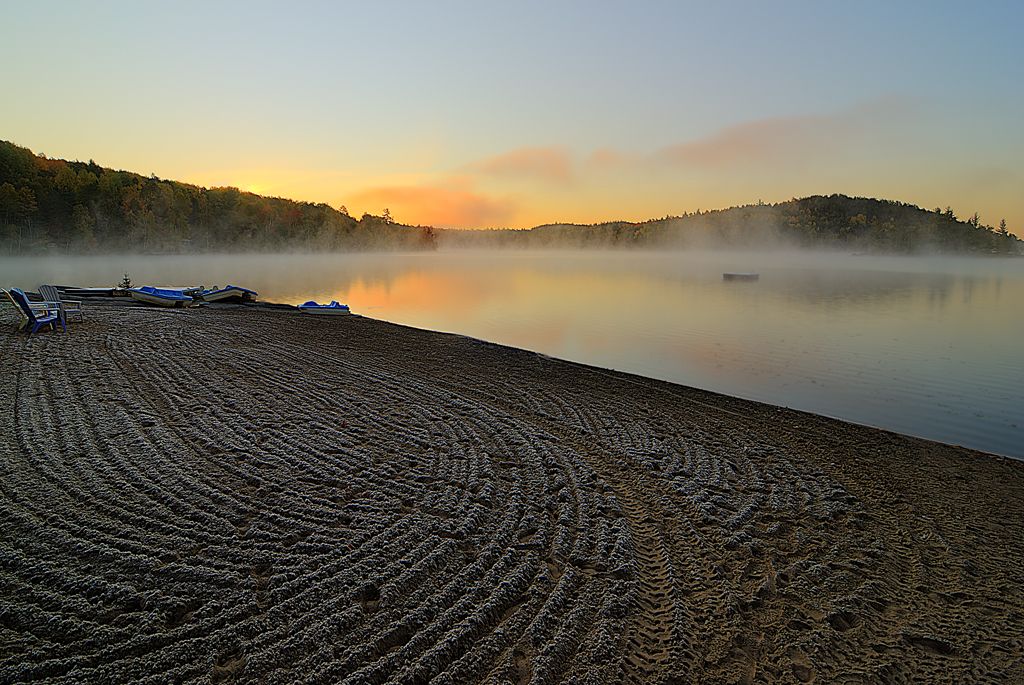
186	297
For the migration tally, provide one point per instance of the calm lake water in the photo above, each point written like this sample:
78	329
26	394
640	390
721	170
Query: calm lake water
926	346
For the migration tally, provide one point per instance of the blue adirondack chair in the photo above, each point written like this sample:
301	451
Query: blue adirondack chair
36	316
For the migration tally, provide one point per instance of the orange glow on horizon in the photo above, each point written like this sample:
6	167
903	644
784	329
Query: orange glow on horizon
772	160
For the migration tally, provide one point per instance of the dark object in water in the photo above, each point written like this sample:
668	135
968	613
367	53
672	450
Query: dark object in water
732	276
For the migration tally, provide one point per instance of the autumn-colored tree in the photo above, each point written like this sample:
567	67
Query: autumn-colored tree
10	203
66	180
16	204
83	222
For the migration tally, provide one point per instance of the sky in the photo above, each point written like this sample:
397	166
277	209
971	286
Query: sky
474	115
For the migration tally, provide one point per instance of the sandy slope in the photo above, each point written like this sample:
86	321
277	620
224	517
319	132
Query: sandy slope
262	496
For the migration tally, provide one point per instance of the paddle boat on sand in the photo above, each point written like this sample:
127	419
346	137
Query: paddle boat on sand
332	309
230	293
162	297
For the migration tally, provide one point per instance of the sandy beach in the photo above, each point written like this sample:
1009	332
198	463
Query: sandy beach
231	494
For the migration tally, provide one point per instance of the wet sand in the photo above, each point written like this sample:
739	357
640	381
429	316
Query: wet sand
257	495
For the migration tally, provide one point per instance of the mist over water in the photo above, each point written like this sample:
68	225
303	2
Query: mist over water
926	346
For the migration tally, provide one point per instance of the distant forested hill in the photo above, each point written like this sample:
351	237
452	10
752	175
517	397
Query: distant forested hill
832	222
57	205
53	204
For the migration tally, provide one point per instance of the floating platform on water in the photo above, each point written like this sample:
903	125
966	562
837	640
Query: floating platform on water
739	276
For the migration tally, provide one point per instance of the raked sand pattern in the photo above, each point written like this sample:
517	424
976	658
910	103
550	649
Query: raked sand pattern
249	495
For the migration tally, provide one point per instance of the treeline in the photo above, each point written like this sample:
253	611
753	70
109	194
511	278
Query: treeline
824	222
58	205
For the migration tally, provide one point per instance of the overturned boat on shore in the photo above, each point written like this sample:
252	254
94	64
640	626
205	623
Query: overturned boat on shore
161	297
740	276
229	293
332	309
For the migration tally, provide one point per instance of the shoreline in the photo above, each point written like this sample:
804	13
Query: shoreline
256	493
640	379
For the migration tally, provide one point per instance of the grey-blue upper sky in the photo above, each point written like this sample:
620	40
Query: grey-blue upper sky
408	94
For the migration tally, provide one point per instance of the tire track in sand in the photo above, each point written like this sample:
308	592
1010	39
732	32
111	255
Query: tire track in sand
649	640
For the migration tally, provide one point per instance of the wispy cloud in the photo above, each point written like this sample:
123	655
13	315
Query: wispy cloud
756	141
777	150
775	140
544	163
456	206
608	158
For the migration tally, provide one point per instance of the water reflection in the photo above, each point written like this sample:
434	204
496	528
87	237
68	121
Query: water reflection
927	347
